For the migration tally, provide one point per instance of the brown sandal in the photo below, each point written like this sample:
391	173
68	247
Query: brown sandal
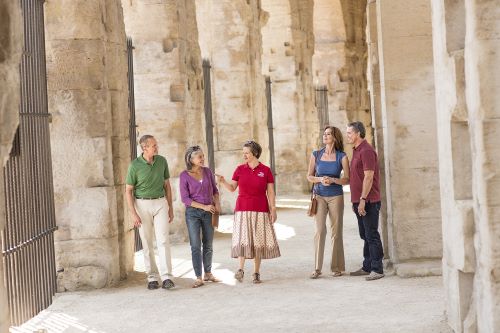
210	277
315	274
336	274
256	278
198	283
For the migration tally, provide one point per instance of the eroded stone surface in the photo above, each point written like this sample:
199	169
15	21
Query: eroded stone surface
88	93
11	43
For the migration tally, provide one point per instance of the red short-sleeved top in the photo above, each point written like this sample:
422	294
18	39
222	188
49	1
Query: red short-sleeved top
252	185
364	157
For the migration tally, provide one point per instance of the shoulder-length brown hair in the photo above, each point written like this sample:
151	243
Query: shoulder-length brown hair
337	135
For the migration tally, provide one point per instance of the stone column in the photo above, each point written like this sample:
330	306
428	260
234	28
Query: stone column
302	13
373	80
409	131
11	46
455	162
87	92
229	36
466	46
339	60
168	83
467	43
280	49
482	77
330	58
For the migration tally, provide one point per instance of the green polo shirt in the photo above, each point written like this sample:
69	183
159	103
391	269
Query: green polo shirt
148	179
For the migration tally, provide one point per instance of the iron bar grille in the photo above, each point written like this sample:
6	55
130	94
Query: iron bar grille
132	124
28	238
270	128
322	107
209	124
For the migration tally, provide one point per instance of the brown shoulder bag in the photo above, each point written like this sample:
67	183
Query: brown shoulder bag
313	205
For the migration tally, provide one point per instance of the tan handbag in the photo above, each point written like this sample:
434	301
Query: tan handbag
313	205
215	220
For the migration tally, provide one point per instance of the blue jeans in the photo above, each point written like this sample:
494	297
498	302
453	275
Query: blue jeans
373	251
199	224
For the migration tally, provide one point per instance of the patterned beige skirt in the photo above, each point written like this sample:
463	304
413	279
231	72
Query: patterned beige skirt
253	235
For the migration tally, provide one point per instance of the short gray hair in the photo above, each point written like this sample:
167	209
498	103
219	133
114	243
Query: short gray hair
189	153
144	140
358	127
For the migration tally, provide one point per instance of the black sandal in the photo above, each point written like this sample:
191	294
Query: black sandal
256	278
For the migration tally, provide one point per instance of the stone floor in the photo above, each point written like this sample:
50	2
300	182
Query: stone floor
286	301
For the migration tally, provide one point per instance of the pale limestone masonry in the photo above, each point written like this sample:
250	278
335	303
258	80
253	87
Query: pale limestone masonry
466	48
168	83
340	62
286	59
229	36
373	80
408	123
87	93
11	45
423	76
330	57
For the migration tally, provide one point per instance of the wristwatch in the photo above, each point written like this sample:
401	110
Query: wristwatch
364	199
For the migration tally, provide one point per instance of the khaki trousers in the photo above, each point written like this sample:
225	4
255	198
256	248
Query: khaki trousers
154	217
334	207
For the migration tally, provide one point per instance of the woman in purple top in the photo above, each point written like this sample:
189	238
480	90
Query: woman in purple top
200	195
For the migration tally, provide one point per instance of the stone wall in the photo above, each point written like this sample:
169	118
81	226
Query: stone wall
408	122
466	45
373	80
229	36
284	51
329	60
302	13
87	93
11	46
168	83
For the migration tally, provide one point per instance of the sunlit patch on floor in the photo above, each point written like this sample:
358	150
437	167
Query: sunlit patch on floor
47	321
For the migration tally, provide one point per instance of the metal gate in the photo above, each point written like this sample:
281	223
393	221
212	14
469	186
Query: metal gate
209	125
270	128
322	107
132	125
28	238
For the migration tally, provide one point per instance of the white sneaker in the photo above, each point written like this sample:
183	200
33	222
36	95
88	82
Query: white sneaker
374	276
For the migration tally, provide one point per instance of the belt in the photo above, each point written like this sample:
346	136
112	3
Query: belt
150	198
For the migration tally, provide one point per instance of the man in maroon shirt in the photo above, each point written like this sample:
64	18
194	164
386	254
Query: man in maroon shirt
365	197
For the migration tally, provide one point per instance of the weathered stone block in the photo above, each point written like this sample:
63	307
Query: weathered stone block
94	158
87	108
72	19
86	213
419	268
97	257
116	66
177	93
151	93
79	278
458	296
78	63
229	139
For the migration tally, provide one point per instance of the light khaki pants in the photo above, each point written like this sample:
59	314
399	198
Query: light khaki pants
154	217
334	207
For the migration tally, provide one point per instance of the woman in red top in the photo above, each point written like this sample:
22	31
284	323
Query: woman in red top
255	212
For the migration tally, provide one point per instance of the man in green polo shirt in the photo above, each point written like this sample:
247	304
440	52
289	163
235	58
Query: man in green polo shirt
148	193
